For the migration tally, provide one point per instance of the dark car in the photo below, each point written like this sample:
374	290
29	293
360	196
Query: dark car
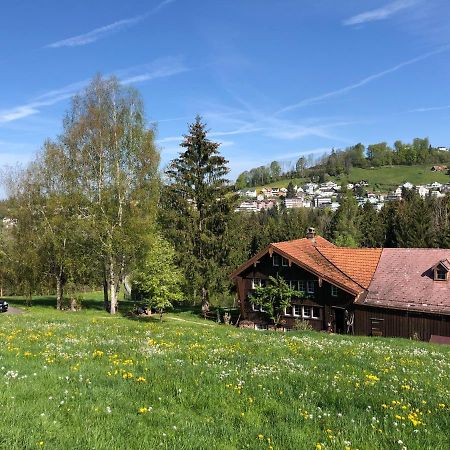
3	305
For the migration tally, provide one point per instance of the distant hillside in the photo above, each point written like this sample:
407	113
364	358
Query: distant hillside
380	179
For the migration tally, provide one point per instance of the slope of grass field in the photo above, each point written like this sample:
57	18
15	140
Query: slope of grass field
381	179
86	380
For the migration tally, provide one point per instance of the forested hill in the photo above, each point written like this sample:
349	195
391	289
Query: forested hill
341	162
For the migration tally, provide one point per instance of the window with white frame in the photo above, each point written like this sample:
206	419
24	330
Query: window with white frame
334	291
307	312
258	282
315	312
310	287
297	285
257	308
276	259
284	261
301	285
297	310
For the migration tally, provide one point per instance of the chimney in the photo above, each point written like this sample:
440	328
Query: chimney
311	234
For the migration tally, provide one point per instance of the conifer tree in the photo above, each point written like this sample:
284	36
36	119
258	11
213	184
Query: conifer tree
370	227
345	222
199	204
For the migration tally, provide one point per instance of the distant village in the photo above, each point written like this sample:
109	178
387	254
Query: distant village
327	195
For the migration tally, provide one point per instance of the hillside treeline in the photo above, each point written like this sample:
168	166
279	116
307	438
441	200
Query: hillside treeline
93	210
339	162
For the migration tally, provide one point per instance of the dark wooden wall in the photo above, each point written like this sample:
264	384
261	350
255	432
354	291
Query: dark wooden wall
321	298
397	323
367	321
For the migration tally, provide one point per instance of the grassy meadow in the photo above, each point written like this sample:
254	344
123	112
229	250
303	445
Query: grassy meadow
382	179
86	380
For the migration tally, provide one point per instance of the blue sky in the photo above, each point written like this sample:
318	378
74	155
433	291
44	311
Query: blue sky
274	79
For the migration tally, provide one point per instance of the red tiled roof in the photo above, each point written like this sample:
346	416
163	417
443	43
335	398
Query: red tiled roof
304	253
404	280
359	264
339	266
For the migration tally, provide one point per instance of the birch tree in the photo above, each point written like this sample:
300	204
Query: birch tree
113	165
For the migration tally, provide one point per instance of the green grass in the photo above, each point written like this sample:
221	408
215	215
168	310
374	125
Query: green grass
385	178
70	380
382	179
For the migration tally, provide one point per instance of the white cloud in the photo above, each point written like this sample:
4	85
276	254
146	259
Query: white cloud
380	13
163	67
106	30
19	112
364	81
431	108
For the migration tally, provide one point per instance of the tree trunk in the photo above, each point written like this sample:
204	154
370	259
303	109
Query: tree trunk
105	291
205	300
112	290
59	292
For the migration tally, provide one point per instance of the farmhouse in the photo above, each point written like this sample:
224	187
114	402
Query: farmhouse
378	292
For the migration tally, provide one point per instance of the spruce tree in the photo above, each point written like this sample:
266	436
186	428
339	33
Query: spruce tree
198	207
371	227
345	222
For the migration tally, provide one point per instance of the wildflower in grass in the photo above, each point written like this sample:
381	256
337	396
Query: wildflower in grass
260	437
319	446
40	443
97	354
141	380
142	410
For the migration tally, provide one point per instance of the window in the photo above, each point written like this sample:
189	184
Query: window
276	258
284	261
257	308
256	282
334	291
315	312
307	312
310	287
440	274
301	286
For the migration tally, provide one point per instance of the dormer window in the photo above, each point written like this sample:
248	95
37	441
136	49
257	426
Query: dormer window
440	274
440	270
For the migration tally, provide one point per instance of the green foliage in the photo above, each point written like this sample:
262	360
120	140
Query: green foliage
371	227
302	325
197	209
275	297
290	190
345	222
158	281
343	162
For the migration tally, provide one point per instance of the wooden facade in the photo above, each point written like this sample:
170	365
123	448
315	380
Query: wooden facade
372	321
328	306
325	305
